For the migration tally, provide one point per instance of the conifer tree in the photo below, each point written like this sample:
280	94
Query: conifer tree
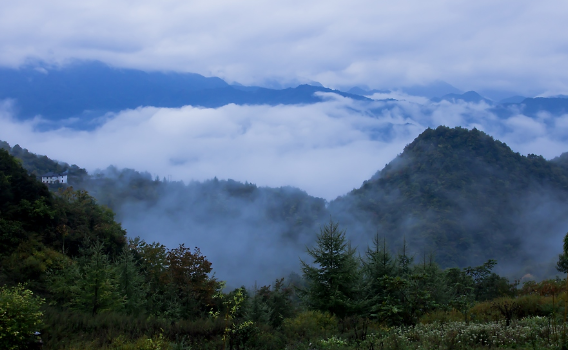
377	264
130	282
562	264
332	282
97	289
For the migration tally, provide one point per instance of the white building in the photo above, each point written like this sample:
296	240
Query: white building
53	178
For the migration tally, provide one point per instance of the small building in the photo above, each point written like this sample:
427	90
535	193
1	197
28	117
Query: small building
54	178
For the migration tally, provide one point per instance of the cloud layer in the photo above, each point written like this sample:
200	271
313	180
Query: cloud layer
518	46
326	149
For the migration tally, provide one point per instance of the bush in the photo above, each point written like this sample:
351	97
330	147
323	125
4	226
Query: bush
310	325
20	316
441	316
74	329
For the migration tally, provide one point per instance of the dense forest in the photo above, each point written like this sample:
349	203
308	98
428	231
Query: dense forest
69	270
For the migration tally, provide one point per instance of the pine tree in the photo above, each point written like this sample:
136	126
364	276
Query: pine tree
562	264
97	289
131	282
332	283
377	264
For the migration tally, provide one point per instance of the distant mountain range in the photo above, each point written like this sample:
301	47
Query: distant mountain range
456	193
470	96
93	88
87	90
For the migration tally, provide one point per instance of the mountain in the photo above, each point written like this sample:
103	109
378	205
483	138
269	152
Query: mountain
453	192
513	99
435	89
470	96
38	227
263	229
531	107
465	197
93	86
90	89
366	92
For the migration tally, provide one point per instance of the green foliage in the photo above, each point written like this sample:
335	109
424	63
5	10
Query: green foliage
188	274
80	219
462	194
131	283
526	334
73	329
377	264
91	284
310	325
104	293
20	316
562	264
271	305
38	165
332	282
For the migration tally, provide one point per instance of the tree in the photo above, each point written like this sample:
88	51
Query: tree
89	284
377	264
562	264
130	282
188	275
20	316
271	305
332	282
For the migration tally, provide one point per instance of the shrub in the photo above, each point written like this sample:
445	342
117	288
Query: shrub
309	325
20	316
441	316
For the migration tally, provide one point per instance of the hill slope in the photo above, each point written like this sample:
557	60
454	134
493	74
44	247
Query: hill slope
456	193
464	196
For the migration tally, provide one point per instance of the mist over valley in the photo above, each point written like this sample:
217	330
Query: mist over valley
453	194
283	175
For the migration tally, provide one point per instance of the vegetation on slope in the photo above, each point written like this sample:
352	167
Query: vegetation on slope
463	196
461	189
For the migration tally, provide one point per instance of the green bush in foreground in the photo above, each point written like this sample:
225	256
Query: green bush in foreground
20	316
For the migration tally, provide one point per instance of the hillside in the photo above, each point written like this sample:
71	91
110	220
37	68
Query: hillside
229	220
465	197
39	228
456	193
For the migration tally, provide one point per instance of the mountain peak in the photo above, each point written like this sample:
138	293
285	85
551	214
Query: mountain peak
470	96
464	194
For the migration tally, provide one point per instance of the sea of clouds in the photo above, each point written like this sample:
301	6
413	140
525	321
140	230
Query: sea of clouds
326	148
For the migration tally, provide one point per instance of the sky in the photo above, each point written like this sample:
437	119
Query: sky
327	148
518	46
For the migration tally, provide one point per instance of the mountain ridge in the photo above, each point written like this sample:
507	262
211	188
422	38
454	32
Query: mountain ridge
464	196
454	192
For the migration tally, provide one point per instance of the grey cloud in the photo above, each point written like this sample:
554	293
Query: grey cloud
326	149
516	46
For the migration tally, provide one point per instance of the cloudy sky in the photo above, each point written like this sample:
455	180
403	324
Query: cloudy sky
327	148
519	46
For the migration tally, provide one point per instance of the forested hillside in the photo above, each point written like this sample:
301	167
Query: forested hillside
455	193
103	291
465	197
246	217
39	228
